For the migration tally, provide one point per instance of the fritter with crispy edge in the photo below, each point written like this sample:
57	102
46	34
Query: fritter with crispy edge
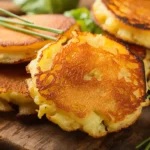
143	54
17	47
90	82
128	20
13	90
147	67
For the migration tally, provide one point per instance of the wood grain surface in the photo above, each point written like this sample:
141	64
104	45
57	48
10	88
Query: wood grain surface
32	134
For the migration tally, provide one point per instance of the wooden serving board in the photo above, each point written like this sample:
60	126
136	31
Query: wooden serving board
32	134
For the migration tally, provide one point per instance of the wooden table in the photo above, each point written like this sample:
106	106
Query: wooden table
33	134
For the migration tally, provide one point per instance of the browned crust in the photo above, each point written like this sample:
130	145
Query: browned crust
13	38
137	50
64	87
12	78
135	13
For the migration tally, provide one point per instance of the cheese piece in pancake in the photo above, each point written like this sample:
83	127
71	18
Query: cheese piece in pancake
128	20
13	89
90	82
17	47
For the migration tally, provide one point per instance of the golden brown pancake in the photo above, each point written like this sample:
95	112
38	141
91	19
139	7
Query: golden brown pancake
13	89
90	82
16	47
128	20
10	6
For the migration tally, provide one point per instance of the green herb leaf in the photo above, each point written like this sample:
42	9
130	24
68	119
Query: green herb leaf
144	143
14	15
46	6
148	96
84	19
26	31
147	147
3	19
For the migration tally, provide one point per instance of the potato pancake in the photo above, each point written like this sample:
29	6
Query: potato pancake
90	82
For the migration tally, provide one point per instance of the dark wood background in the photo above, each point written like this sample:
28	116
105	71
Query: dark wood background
32	134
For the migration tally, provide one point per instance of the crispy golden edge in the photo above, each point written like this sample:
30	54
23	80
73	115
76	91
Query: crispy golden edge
128	33
4	106
137	50
110	4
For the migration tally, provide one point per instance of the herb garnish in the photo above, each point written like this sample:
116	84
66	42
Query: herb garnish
8	23
145	143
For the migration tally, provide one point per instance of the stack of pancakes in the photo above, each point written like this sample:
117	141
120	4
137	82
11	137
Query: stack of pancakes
128	21
16	50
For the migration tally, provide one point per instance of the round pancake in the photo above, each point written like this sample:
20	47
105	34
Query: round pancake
13	89
17	47
90	82
128	20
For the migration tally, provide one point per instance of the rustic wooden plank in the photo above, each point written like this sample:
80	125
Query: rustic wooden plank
37	134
